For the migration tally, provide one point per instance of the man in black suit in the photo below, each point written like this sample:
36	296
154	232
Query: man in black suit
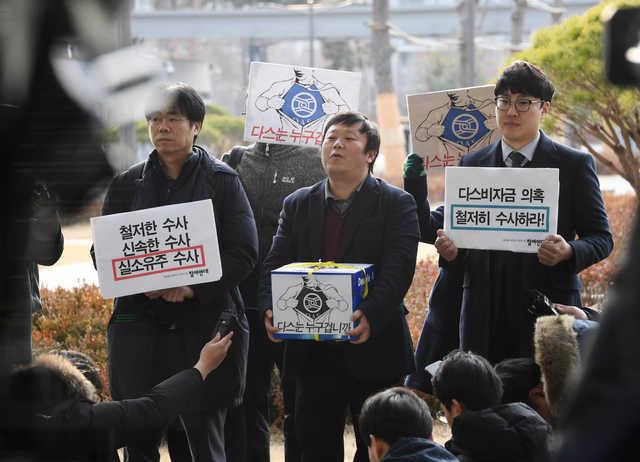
349	217
494	319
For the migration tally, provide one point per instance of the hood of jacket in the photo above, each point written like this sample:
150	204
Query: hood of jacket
557	355
417	450
509	432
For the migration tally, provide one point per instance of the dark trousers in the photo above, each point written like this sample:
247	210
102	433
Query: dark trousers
141	355
324	394
247	435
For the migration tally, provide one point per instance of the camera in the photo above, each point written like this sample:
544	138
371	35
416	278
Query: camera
622	45
226	323
538	304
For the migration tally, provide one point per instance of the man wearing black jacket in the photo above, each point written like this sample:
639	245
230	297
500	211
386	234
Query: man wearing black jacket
482	429
349	217
155	334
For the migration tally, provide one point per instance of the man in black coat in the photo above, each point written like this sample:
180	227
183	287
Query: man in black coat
494	320
482	429
350	217
155	334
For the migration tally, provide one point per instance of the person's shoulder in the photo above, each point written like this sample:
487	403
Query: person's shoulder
479	156
390	189
129	175
568	153
303	194
215	166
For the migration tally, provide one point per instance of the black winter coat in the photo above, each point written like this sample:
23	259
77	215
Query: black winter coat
81	430
146	185
509	432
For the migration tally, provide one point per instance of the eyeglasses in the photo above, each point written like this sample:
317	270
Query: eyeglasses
521	105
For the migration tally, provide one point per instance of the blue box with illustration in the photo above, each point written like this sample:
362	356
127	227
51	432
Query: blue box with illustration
315	300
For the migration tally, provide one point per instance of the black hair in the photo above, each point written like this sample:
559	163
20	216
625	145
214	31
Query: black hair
176	97
367	127
523	77
468	378
395	413
518	376
85	365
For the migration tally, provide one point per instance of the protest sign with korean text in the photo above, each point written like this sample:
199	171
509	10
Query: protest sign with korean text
446	125
501	208
156	248
289	104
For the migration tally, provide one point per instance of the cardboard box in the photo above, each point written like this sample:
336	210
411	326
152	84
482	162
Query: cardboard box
315	301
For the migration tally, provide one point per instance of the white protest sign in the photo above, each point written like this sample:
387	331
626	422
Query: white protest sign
289	104
501	208
157	248
446	125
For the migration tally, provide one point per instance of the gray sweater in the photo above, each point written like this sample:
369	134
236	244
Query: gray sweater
269	173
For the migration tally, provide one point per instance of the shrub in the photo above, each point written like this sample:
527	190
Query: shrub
597	278
418	294
74	319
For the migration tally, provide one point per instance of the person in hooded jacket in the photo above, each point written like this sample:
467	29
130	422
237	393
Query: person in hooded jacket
482	429
52	411
397	427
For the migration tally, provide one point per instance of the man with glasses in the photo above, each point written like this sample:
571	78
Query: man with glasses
155	334
494	319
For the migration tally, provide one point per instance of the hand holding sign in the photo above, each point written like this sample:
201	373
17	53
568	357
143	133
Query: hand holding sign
553	250
445	246
177	294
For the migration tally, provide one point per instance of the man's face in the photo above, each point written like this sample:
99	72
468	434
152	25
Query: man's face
172	134
520	128
343	152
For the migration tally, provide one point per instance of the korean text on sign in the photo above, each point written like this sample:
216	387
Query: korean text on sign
156	248
500	208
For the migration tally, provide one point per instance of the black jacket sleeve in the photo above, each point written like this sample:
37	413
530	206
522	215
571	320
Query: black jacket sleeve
237	237
430	221
128	419
595	242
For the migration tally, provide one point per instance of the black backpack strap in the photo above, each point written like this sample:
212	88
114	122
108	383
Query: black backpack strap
233	158
123	194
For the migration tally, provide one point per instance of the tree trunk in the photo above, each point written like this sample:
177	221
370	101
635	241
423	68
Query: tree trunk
388	115
467	9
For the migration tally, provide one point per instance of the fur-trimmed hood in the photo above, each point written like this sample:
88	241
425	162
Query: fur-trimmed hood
72	384
557	354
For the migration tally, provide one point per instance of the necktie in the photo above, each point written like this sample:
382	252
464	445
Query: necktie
517	159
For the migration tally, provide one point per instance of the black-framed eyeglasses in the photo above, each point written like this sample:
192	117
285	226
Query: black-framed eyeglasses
521	104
